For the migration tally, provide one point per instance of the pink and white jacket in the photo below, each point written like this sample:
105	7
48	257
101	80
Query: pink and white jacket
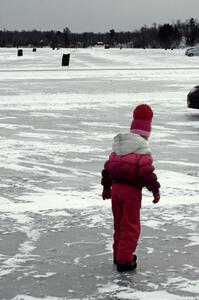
130	163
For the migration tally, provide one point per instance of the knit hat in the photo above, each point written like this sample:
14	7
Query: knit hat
142	119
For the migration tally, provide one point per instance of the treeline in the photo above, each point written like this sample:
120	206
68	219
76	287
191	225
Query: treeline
166	36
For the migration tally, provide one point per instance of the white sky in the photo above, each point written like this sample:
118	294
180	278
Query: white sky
93	15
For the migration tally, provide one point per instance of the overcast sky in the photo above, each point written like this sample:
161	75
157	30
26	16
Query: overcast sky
93	15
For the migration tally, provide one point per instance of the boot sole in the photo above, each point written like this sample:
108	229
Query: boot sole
126	268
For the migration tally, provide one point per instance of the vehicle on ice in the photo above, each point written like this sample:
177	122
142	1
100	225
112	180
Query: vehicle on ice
193	51
193	98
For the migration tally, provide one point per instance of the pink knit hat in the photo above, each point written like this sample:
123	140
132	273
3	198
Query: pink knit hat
142	119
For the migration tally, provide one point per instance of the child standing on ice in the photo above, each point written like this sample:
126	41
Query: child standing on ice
129	169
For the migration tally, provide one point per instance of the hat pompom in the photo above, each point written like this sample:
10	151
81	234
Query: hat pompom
143	112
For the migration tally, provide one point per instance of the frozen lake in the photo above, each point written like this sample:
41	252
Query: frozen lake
56	130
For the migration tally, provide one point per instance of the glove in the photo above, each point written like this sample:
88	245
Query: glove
156	197
106	194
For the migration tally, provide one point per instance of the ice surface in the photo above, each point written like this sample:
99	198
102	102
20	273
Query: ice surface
56	130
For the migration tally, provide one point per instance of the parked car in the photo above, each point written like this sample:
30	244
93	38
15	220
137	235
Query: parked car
193	98
192	51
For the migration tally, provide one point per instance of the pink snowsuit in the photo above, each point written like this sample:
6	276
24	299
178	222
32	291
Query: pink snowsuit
128	170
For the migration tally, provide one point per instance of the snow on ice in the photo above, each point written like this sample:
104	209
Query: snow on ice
56	130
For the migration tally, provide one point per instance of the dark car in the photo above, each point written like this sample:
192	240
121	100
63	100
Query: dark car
193	97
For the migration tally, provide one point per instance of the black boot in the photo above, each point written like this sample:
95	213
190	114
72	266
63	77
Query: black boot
127	267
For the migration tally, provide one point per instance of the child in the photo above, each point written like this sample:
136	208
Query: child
127	171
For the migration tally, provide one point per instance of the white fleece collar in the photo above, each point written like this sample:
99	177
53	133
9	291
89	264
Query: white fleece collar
125	143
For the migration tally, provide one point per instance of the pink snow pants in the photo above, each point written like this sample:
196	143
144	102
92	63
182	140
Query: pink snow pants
126	204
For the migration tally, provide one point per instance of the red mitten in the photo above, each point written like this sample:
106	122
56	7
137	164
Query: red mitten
156	197
106	194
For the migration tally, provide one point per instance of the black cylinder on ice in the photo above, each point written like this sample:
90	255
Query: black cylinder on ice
20	52
65	60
